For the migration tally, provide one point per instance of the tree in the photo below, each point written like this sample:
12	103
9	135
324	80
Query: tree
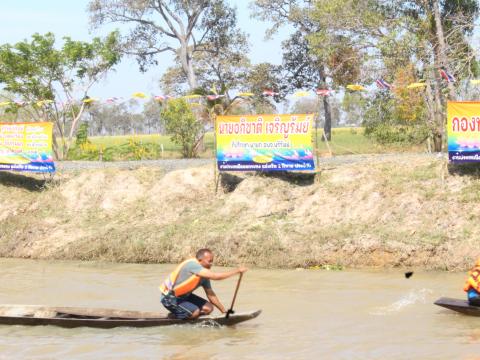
49	81
151	114
353	108
430	34
303	67
181	27
116	119
218	72
304	106
181	123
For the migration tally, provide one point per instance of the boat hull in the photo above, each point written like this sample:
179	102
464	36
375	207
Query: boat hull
458	305
104	318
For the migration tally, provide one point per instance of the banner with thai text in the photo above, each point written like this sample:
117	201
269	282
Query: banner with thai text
26	147
463	129
265	142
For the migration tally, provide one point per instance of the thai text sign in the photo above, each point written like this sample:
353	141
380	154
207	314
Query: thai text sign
26	147
463	129
264	142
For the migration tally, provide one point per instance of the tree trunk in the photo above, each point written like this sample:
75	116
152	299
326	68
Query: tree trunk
187	65
327	126
442	46
435	114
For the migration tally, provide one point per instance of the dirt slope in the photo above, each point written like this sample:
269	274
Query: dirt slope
405	211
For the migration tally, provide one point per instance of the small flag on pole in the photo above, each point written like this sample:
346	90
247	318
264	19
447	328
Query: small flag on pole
446	76
382	84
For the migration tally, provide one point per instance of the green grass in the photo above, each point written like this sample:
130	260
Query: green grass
353	141
157	139
127	147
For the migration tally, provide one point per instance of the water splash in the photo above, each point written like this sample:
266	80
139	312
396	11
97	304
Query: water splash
209	323
413	297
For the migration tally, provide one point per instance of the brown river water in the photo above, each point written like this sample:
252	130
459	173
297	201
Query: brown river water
307	314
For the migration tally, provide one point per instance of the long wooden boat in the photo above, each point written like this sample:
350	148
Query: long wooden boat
71	317
461	306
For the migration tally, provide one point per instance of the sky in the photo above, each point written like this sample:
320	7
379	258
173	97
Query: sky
22	18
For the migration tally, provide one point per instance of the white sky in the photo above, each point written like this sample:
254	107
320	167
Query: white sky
22	18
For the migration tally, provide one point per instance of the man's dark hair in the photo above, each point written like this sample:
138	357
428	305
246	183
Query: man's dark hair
202	252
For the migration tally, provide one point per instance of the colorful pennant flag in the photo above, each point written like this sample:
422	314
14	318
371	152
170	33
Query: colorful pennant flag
43	102
323	92
301	94
193	96
139	95
382	84
5	103
475	81
162	97
112	100
268	92
416	85
245	94
356	87
214	97
446	76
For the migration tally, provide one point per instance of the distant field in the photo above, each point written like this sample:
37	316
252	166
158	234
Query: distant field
156	139
344	141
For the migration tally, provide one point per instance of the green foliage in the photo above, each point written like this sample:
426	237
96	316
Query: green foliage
134	149
181	124
382	125
82	134
36	71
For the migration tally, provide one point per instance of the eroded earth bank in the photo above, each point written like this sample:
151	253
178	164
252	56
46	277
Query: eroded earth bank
409	211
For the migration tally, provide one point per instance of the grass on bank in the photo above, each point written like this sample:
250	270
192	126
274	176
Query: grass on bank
344	141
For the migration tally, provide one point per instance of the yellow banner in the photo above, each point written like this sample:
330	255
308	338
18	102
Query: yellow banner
264	142
26	147
463	129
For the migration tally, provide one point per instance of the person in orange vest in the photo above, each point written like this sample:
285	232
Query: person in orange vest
177	290
472	285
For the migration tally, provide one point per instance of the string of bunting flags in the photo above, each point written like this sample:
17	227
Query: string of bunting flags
380	83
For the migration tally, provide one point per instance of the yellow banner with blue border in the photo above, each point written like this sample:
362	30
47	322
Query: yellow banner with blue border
463	129
268	142
26	147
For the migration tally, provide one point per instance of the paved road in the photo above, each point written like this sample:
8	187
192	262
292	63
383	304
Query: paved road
175	164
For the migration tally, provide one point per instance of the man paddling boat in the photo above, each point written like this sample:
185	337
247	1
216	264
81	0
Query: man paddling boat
177	290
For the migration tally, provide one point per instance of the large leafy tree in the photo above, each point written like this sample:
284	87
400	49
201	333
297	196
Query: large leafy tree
183	28
218	71
48	81
302	66
387	36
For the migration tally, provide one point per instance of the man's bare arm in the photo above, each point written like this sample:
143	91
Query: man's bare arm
212	297
211	275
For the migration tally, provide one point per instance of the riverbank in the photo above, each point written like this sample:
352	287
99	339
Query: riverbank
405	211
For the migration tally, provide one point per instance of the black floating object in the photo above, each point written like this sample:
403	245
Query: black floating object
408	274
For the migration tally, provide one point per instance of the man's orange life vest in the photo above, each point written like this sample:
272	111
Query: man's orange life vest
473	280
185	287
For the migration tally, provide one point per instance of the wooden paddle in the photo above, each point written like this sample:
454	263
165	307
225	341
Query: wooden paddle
230	311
